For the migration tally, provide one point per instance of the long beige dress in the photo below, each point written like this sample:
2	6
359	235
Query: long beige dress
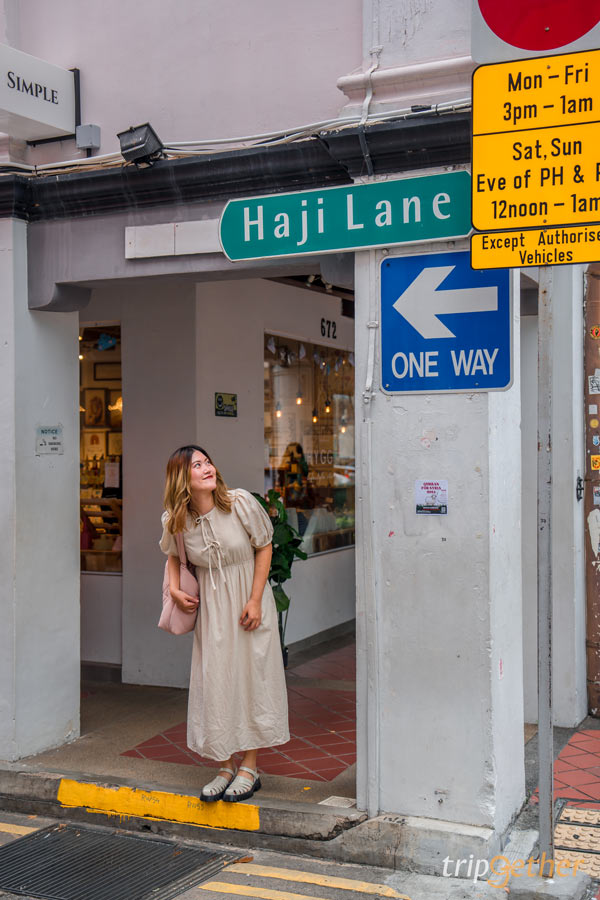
238	698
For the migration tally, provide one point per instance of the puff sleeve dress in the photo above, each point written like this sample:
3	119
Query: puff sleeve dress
237	698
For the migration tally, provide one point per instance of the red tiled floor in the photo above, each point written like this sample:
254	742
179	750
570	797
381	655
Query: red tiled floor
322	728
577	778
571	794
561	765
583	760
577	771
569	750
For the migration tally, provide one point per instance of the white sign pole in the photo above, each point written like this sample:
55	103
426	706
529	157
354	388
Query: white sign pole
544	568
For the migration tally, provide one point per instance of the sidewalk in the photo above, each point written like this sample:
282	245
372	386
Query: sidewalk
132	760
131	764
139	733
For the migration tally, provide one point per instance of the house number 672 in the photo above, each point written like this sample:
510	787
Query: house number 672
328	329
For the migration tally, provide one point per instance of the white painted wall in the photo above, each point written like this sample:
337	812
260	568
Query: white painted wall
568	535
101	618
159	399
195	70
39	533
180	344
569	657
440	610
415	31
241	312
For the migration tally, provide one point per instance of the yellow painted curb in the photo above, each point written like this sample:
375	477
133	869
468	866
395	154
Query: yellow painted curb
160	805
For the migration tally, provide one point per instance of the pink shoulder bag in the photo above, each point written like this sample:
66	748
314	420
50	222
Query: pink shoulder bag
173	619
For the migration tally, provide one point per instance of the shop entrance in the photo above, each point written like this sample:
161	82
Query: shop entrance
297	391
101	498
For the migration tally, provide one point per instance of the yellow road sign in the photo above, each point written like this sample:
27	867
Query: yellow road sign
537	93
535	178
536	247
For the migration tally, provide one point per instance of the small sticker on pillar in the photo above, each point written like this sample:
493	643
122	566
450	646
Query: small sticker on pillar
596	440
431	498
596	494
595	332
594	384
595	461
594	423
49	440
593	409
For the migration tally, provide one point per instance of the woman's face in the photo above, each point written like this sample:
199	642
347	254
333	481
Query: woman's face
203	473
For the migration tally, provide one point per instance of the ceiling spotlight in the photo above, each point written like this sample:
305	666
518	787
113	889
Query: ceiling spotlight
140	144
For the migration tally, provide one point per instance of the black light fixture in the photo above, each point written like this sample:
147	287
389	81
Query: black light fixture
140	144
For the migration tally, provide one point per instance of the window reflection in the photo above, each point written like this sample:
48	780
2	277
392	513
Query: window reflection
309	438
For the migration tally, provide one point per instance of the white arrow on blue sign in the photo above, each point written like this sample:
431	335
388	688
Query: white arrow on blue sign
444	326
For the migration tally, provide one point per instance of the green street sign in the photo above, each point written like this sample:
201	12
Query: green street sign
356	217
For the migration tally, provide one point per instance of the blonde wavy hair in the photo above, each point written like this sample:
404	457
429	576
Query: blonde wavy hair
178	494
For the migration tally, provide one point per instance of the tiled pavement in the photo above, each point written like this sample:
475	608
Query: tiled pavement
322	721
577	771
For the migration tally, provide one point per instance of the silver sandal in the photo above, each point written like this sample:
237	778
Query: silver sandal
215	789
241	788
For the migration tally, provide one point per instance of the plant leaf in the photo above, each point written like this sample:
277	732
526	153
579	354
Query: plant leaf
282	601
282	533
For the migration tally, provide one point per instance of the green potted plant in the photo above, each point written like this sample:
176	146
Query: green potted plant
286	548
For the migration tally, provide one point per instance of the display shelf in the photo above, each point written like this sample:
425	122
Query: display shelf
102	519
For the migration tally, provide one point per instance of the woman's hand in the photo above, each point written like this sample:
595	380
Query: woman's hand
184	601
251	614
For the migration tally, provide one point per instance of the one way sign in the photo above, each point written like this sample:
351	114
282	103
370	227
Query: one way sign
444	326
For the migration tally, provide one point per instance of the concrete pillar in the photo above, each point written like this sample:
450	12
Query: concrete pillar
440	690
569	657
39	515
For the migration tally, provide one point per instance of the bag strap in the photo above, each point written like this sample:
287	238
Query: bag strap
181	548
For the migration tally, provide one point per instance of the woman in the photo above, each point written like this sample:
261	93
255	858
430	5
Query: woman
237	699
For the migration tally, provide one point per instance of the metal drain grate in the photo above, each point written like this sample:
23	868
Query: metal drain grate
67	862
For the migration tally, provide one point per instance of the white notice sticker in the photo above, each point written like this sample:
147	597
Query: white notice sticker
49	439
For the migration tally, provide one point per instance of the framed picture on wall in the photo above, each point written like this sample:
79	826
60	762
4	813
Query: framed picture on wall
115	443
107	371
94	401
115	409
94	444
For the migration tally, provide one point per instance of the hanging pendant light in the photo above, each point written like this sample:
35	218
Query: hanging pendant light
327	405
278	409
299	398
315	415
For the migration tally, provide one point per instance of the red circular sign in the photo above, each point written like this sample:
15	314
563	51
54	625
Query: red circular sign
540	24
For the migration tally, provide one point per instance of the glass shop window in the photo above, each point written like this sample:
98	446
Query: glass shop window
101	448
309	438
